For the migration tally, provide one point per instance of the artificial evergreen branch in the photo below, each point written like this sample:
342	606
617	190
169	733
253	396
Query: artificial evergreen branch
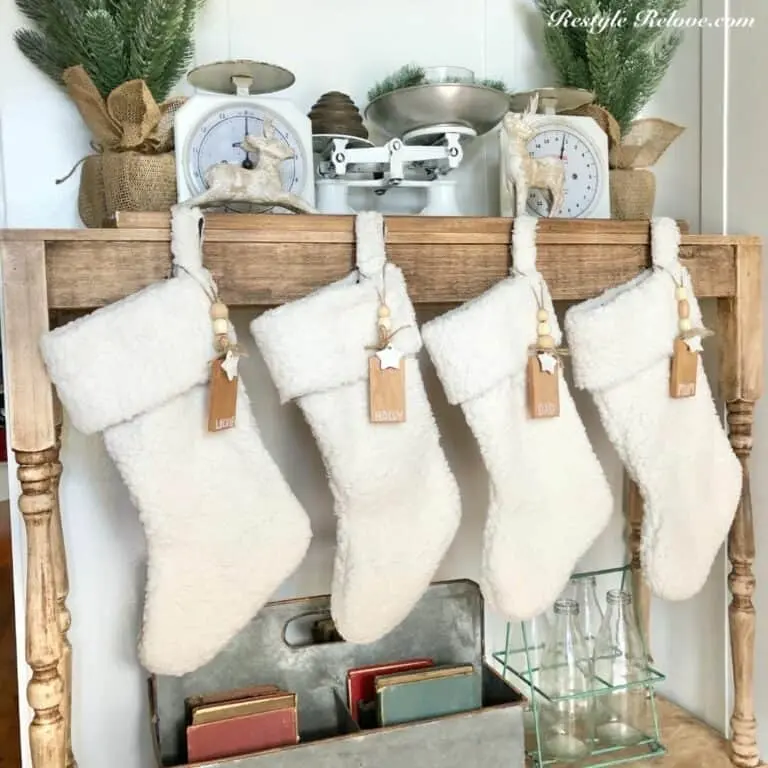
622	64
114	40
411	75
405	77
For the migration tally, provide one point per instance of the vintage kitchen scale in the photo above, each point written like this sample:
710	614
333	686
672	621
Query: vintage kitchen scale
578	140
233	99
427	127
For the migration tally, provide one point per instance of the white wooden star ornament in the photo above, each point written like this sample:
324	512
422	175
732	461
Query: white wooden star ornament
547	362
389	357
694	344
229	364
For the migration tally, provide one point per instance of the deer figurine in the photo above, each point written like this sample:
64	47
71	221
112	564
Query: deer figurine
521	171
262	185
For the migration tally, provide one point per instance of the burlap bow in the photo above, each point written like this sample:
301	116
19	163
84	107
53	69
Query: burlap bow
641	147
128	120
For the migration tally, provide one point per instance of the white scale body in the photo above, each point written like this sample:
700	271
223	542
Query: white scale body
585	146
209	126
432	162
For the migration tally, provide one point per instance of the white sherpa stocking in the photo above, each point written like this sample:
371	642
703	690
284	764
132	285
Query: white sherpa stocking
674	448
223	529
549	498
396	500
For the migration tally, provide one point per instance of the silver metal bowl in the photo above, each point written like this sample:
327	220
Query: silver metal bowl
217	76
463	105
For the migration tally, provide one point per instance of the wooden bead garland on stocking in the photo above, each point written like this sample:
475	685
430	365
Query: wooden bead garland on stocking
386	374
222	397
685	357
543	371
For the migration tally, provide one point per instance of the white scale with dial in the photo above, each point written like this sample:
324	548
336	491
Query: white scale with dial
231	102
582	145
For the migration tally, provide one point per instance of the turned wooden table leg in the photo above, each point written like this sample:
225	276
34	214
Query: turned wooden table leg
641	594
61	577
741	612
46	689
741	378
33	440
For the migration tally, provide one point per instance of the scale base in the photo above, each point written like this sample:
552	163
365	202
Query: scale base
332	195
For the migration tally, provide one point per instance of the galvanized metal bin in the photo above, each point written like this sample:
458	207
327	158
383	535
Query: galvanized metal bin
276	647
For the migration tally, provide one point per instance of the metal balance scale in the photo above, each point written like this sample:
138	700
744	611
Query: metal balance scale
427	127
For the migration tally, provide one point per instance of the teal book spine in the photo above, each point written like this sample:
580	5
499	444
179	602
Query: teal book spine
425	699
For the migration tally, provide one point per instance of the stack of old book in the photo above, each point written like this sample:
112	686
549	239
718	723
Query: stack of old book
240	722
381	695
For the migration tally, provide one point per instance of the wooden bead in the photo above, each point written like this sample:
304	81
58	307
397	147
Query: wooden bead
384	311
681	293
222	342
683	309
544	329
219	311
220	326
542	315
546	342
385	322
684	324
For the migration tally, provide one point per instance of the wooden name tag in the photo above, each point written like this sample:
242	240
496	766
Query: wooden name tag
222	399
386	389
683	371
543	390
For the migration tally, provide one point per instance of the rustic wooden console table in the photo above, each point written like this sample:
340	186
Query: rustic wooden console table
266	260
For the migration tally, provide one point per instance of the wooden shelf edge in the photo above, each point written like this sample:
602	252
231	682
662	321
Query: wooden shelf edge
323	229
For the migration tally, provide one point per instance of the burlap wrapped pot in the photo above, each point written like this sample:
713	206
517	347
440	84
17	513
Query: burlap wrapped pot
134	166
632	185
91	202
633	193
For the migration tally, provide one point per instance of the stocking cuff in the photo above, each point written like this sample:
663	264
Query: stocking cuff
486	340
131	356
324	340
626	329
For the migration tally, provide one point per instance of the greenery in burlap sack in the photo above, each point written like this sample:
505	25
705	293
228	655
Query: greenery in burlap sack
622	65
410	75
114	40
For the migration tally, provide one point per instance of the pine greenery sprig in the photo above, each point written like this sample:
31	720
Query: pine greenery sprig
406	77
114	40
410	75
622	64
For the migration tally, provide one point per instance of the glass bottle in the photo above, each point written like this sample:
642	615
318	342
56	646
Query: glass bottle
567	729
622	713
584	592
537	632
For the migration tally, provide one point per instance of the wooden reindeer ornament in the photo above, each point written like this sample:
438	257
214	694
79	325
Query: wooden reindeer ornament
260	185
521	171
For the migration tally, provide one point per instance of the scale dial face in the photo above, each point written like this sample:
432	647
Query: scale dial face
217	137
584	177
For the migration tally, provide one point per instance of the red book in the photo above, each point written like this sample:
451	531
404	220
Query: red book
361	682
242	735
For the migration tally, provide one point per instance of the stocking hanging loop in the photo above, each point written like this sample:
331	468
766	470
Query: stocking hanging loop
523	249
187	232
369	233
665	242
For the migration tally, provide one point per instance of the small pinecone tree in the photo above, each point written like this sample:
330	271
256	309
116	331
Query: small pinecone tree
114	40
622	64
